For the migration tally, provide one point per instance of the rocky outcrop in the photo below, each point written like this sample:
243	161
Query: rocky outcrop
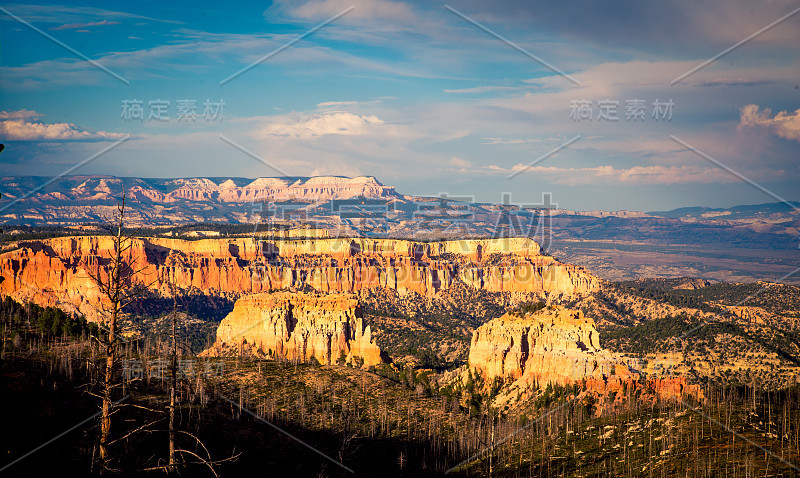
693	284
561	347
554	345
298	327
57	271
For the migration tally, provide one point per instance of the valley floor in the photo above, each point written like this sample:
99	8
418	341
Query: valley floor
627	260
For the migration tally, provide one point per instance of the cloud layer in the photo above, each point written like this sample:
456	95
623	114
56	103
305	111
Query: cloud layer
15	126
784	124
313	126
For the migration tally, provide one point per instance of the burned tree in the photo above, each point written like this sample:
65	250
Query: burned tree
116	281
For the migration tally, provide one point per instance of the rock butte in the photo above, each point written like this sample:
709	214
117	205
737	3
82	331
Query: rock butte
553	345
297	327
559	346
54	271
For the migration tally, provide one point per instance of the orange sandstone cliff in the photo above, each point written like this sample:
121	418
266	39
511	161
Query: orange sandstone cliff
298	327
554	345
560	346
54	271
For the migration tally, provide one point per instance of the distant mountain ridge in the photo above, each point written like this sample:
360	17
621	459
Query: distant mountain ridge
746	211
20	192
237	190
363	206
75	200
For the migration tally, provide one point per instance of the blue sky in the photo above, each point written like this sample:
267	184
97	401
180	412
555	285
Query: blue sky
416	95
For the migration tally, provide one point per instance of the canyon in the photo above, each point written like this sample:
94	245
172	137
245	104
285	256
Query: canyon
90	199
742	243
58	271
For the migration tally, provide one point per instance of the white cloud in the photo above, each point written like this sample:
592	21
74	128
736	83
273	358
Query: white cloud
19	114
348	104
69	14
483	89
328	104
507	141
784	124
313	126
648	80
654	174
362	10
459	163
19	129
712	24
73	26
195	52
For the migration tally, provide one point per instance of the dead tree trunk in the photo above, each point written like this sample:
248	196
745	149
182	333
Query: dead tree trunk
119	287
173	382
114	292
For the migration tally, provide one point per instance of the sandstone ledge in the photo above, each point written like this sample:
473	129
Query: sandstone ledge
55	272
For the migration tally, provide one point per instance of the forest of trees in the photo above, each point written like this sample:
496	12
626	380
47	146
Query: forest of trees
164	410
394	422
46	321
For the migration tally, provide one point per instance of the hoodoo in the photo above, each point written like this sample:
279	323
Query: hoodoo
298	327
553	345
559	346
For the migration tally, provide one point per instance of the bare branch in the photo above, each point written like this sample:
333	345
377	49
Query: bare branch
136	430
202	461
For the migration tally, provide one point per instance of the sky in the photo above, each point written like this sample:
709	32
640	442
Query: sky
604	105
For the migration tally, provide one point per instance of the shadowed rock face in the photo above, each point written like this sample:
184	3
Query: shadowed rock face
56	271
297	326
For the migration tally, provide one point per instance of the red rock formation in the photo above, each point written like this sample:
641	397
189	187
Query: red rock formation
54	271
648	389
554	345
560	346
298	326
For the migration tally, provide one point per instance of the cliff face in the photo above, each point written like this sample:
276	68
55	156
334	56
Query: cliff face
553	345
297	326
559	346
54	271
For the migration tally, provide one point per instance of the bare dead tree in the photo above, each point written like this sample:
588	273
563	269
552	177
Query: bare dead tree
117	283
173	377
176	460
